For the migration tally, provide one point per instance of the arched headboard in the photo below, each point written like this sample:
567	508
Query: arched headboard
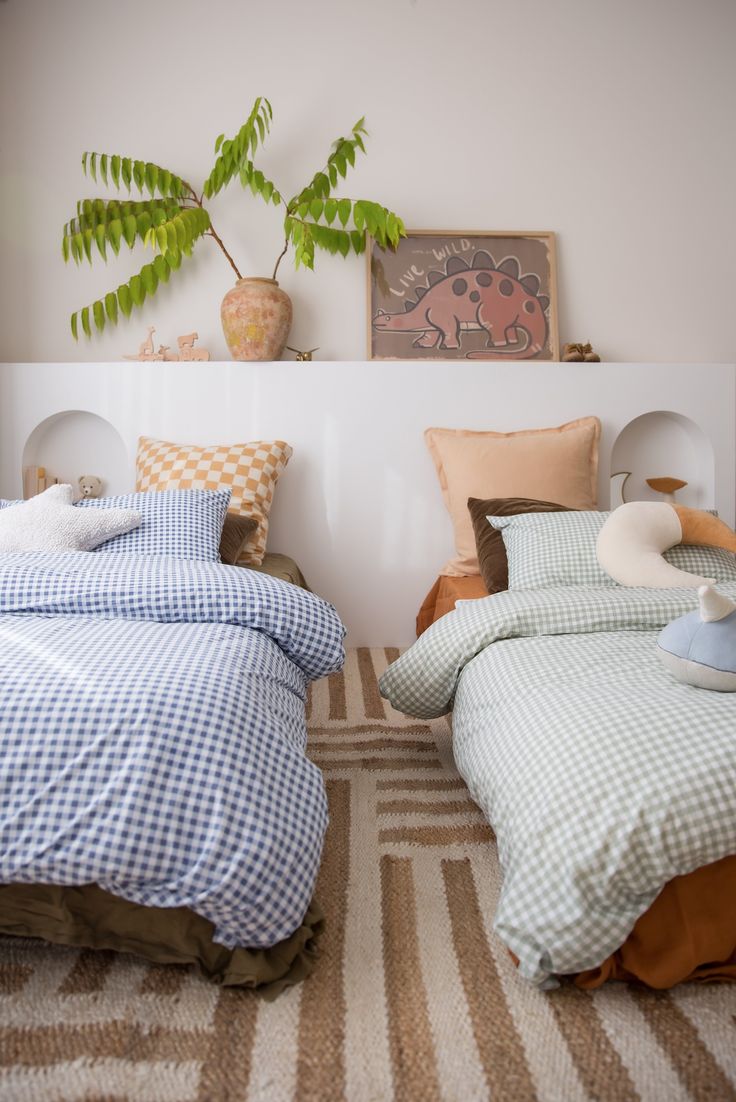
359	506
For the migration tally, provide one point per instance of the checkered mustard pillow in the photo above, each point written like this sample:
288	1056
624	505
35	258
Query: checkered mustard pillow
250	471
547	549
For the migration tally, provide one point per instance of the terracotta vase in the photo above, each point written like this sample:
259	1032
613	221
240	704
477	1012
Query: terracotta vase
256	318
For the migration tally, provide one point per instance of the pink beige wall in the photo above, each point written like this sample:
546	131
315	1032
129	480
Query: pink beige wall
609	123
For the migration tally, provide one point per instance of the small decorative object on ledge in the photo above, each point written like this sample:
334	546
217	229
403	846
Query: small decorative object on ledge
145	350
666	486
165	353
90	485
187	351
303	357
618	483
36	480
256	318
579	353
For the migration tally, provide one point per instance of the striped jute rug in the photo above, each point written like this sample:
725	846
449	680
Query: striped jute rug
413	998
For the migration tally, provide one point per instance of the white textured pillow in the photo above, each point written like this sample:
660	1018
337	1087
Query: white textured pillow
49	522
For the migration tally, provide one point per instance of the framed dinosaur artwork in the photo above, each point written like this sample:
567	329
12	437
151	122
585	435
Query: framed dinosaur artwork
445	295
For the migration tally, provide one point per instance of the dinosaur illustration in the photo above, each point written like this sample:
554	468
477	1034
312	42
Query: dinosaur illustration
476	296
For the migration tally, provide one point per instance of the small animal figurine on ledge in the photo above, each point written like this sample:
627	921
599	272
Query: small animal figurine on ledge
165	353
579	353
187	351
667	487
303	357
89	485
145	352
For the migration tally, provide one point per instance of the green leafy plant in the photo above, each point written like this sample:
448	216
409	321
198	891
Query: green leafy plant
174	217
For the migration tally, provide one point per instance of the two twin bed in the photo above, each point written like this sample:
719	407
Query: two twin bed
156	795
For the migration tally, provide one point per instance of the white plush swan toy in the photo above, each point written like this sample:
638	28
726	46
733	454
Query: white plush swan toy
700	648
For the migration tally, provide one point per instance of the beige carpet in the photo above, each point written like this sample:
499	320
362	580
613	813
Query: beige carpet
413	999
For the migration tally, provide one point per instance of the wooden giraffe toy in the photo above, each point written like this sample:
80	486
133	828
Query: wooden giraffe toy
145	351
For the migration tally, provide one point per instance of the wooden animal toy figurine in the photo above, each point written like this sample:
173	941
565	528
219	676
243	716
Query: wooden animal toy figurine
145	352
187	351
166	354
146	349
303	357
579	353
89	485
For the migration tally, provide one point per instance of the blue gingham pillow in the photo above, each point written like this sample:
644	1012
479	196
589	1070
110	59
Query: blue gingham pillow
184	524
545	549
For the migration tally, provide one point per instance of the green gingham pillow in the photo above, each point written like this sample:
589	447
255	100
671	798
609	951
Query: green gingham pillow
545	549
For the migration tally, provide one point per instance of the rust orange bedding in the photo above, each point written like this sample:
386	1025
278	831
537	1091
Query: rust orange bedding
443	595
689	932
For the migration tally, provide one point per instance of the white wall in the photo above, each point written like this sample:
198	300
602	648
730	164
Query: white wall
609	123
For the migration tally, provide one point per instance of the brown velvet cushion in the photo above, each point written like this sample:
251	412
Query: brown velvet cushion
236	533
489	541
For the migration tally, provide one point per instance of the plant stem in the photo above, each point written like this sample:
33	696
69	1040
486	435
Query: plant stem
280	257
212	232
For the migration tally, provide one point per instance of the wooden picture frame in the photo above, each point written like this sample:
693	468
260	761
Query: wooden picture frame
449	295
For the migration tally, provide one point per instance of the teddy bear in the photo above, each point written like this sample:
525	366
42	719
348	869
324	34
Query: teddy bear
89	485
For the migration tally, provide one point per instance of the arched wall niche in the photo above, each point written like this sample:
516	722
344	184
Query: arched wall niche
74	442
660	443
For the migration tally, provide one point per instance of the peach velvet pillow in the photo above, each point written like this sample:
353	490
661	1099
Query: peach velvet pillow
557	464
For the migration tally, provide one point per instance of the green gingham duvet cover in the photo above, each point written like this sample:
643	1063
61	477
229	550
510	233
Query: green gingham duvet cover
601	775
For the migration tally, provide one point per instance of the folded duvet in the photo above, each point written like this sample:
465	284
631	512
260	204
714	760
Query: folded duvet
602	776
152	735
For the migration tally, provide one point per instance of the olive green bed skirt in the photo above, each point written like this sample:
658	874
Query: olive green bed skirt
88	917
283	567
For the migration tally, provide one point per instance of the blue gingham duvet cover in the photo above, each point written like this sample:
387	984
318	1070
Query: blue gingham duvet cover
152	735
